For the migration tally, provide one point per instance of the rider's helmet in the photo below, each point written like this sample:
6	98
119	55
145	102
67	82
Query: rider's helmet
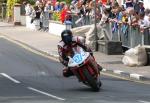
66	36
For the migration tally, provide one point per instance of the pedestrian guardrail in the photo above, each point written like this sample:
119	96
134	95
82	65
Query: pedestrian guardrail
130	36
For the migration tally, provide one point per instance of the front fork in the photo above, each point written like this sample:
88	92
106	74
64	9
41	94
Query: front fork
93	64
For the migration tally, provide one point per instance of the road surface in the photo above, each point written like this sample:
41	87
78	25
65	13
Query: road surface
26	77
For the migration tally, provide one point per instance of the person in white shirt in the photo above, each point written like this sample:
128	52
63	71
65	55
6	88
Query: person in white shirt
28	9
146	18
143	22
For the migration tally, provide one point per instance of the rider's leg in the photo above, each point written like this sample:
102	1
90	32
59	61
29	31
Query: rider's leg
67	72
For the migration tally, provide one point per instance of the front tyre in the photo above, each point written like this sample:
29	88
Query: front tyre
95	84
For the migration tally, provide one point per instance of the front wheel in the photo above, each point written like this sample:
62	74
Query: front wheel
94	83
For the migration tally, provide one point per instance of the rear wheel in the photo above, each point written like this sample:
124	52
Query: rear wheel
95	84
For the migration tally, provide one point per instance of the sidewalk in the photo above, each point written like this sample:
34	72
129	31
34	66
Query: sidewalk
47	43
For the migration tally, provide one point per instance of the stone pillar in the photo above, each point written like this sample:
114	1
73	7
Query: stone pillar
17	15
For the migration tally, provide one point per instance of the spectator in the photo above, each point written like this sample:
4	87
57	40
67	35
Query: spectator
28	9
100	6
50	9
62	4
36	14
115	3
146	18
134	19
136	6
104	18
57	6
46	17
129	3
141	7
142	22
65	14
125	25
23	6
117	19
124	17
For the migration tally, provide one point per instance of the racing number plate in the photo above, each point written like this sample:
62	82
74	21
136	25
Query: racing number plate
78	58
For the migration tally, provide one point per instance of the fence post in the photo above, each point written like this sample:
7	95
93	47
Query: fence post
142	39
119	31
95	27
131	38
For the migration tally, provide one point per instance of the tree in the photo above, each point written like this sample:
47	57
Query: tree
11	3
10	6
32	2
67	1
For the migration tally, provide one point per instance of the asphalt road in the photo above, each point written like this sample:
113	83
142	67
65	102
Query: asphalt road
26	77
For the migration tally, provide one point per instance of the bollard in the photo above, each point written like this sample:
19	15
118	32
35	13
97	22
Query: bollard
68	24
142	39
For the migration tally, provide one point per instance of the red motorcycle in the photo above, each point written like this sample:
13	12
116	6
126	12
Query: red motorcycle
84	67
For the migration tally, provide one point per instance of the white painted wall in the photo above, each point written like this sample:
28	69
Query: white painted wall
56	28
23	20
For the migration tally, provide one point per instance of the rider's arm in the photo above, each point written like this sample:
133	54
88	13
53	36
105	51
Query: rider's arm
62	58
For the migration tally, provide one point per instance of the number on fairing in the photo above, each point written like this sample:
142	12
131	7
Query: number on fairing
77	58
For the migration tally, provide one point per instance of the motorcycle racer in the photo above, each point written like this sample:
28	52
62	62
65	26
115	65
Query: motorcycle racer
65	46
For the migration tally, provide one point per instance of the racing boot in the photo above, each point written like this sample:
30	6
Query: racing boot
67	72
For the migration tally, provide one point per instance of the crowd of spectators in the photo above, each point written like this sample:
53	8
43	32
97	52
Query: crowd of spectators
131	13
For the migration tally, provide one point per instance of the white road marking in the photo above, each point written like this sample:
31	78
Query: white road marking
118	71
136	76
10	78
143	101
1	36
42	73
104	70
47	94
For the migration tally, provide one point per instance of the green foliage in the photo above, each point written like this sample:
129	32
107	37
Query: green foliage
10	6
11	3
32	2
56	16
67	1
17	1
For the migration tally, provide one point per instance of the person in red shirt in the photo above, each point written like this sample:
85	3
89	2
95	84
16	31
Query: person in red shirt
65	14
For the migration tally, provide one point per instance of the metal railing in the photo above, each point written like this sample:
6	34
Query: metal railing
129	36
78	21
